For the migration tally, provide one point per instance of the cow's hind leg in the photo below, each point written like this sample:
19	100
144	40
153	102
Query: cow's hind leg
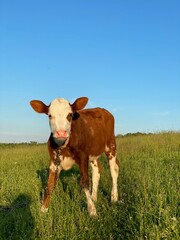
85	185
95	178
114	169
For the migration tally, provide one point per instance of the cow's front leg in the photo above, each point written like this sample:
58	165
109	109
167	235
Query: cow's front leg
54	172
85	186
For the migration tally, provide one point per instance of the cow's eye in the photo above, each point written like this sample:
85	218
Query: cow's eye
50	116
69	117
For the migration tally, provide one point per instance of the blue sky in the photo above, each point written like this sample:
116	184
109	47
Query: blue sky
123	55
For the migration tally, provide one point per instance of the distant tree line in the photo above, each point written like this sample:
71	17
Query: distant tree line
31	143
145	134
133	134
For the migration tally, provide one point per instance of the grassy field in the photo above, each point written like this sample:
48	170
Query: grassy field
149	190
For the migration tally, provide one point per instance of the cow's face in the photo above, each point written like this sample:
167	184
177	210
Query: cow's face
60	116
60	113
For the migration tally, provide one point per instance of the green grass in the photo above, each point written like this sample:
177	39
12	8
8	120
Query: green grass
148	185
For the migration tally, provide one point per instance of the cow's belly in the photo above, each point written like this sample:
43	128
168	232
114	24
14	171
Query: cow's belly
66	163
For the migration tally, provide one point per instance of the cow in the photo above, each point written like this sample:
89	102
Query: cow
79	136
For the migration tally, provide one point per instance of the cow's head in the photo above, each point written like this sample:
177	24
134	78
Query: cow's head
60	113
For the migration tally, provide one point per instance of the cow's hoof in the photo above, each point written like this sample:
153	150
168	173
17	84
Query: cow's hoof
114	197
92	211
44	209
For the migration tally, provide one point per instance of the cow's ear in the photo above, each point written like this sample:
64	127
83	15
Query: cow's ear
39	106
79	104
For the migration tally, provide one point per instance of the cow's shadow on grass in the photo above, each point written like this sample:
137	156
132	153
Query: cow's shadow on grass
16	221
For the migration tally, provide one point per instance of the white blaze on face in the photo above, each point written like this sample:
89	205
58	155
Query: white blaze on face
59	121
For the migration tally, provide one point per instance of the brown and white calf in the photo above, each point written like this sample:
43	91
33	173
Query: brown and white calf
79	136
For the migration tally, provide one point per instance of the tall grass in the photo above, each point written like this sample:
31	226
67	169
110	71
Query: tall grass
148	185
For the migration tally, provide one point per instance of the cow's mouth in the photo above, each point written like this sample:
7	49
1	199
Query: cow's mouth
61	137
60	141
